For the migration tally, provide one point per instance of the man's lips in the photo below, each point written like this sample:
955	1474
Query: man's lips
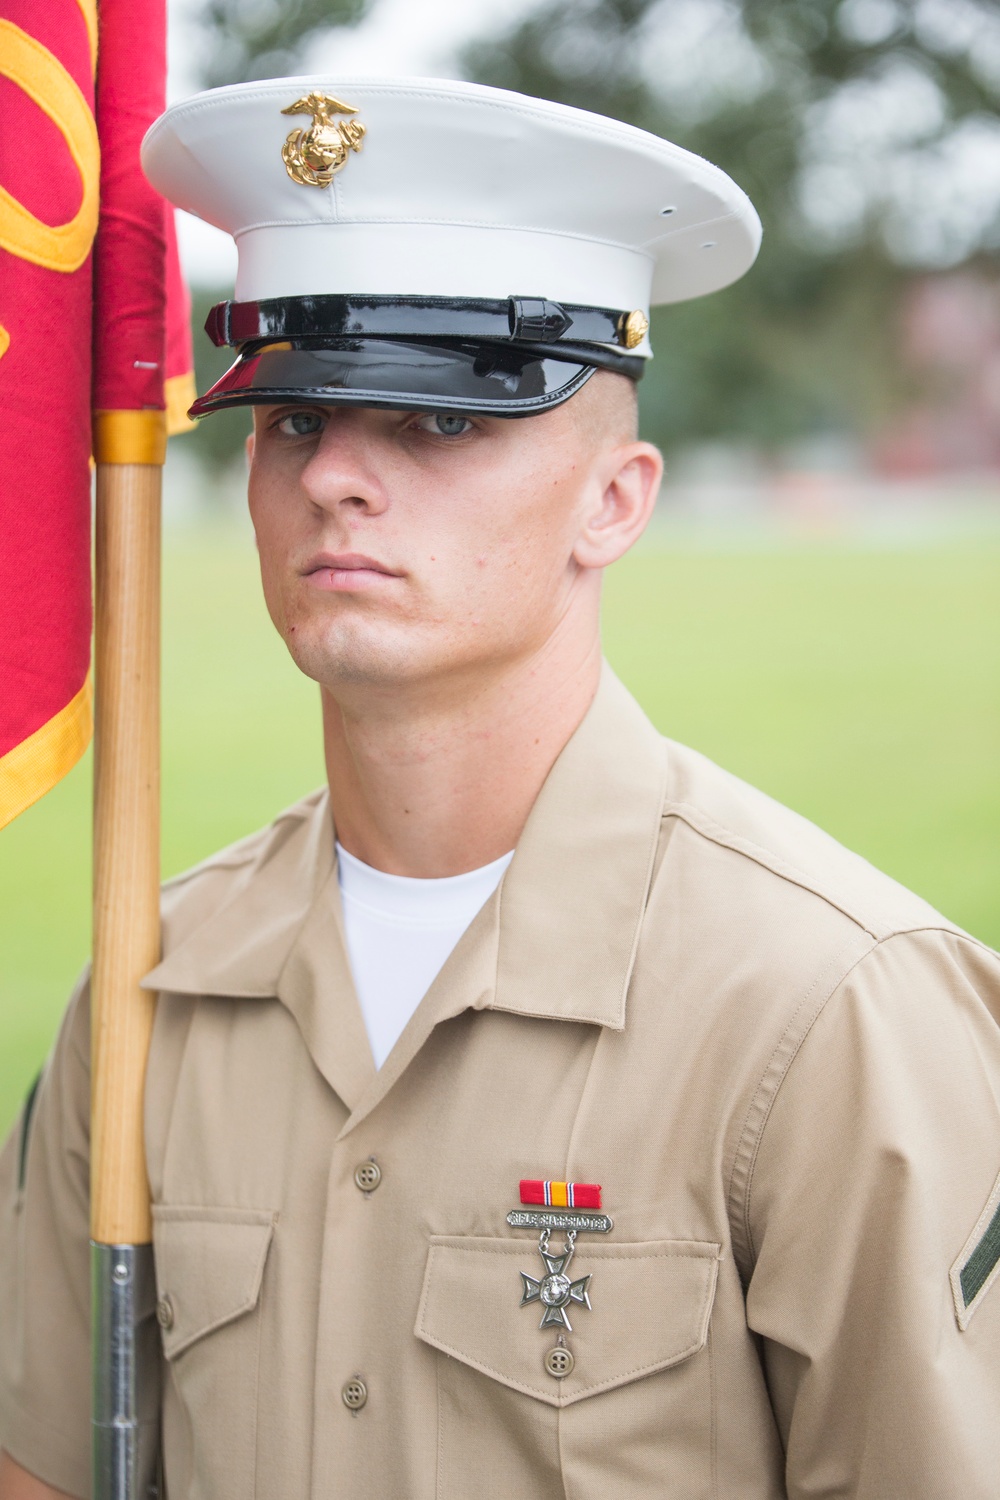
345	572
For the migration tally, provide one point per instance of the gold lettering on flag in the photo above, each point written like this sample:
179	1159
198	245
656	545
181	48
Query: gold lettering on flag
89	10
60	247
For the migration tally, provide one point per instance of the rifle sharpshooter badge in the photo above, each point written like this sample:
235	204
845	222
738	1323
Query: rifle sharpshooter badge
313	156
568	1206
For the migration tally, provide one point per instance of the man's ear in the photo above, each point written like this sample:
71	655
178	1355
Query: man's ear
250	441
624	498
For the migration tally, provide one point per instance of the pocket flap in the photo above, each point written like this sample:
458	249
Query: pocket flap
650	1306
209	1268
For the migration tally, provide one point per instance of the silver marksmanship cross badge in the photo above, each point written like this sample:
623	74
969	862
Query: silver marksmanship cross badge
555	1291
572	1208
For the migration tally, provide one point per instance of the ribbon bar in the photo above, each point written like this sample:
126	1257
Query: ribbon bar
561	1194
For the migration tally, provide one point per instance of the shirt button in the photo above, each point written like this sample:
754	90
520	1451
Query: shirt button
559	1362
367	1176
165	1313
355	1394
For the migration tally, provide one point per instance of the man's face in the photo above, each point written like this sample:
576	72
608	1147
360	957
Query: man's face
400	547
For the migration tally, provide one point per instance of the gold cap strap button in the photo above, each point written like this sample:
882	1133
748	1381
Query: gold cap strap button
632	328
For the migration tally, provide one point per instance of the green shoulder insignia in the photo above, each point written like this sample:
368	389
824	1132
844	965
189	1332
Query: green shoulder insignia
978	1263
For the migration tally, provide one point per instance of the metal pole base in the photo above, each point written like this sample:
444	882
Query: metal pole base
126	1373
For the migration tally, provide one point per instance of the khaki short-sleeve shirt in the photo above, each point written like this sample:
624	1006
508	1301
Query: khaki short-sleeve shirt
783	1070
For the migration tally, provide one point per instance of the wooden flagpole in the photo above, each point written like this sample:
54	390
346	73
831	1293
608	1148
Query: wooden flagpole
129	430
126	835
130	447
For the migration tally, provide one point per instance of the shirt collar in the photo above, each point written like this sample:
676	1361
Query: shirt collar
561	931
572	902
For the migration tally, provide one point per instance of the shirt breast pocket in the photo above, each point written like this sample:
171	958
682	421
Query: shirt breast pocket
633	1414
209	1271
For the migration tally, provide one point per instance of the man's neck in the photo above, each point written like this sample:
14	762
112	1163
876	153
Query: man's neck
430	783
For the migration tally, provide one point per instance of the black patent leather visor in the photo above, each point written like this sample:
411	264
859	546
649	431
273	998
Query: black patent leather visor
502	380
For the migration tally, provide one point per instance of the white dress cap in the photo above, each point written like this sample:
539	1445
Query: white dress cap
425	188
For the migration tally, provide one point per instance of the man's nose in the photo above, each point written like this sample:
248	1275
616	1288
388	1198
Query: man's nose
344	471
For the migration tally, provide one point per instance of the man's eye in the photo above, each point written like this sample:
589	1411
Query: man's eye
442	424
301	424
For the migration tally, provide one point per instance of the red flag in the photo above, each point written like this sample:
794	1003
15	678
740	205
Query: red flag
51	181
142	346
49	170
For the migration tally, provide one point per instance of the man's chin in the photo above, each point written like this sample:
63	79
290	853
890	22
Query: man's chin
356	658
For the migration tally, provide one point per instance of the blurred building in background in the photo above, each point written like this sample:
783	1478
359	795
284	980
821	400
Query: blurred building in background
860	359
950	346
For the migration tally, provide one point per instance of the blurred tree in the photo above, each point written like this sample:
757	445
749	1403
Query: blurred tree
865	133
246	39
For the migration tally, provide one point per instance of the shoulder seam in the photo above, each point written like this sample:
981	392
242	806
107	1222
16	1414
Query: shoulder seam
219	861
877	927
943	927
243	852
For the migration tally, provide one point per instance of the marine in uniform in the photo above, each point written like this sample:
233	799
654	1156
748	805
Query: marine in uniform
605	1129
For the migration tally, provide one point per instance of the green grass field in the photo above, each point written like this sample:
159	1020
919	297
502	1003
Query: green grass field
860	686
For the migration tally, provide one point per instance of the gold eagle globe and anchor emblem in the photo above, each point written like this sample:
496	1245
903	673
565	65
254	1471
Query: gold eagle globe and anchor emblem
315	154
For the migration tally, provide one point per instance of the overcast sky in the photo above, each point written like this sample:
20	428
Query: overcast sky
399	37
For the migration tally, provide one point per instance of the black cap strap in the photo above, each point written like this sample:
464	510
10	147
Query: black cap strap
532	320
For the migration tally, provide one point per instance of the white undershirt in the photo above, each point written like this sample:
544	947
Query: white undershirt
399	933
